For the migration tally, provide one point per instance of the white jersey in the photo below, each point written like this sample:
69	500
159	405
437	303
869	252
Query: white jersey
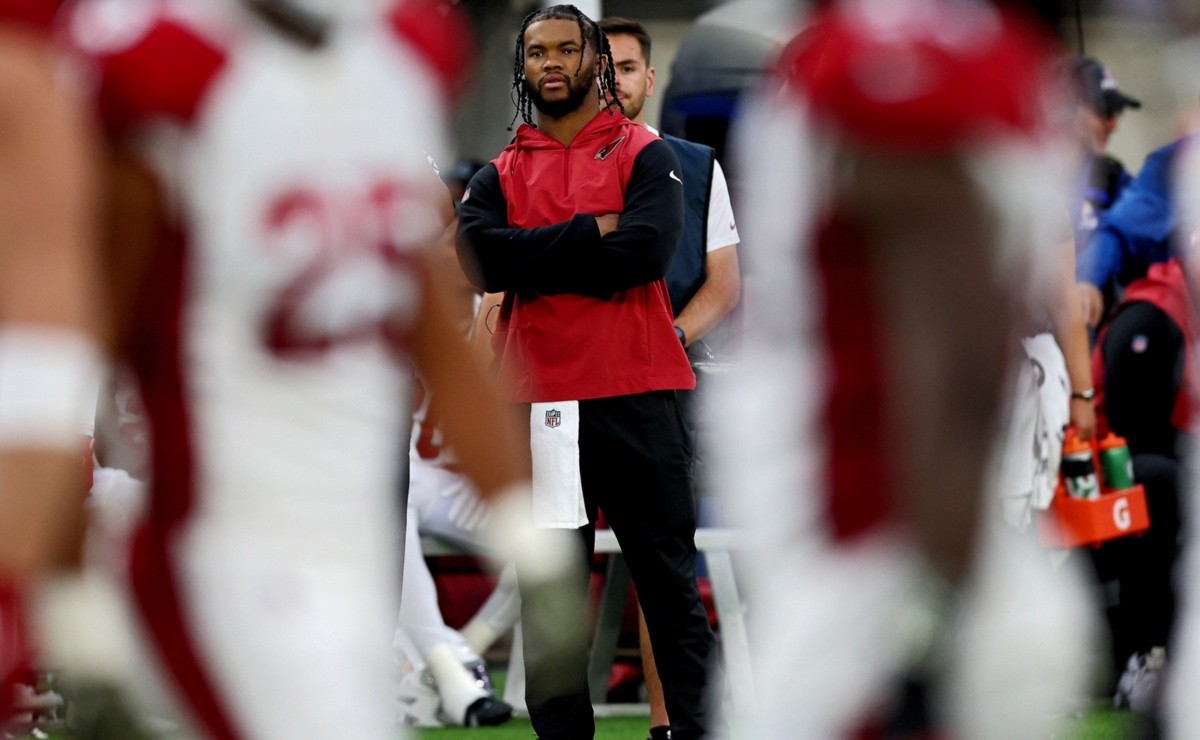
301	189
268	342
1181	715
806	451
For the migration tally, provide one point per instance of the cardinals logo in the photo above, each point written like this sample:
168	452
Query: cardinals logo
608	148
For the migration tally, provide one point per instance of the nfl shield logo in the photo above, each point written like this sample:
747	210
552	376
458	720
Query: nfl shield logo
553	418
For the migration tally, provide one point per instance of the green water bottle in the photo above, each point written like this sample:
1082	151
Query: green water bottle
1116	463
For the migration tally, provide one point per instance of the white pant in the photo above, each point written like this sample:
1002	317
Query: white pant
433	494
291	629
1182	715
828	646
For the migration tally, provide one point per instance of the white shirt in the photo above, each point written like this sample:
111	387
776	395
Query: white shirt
722	229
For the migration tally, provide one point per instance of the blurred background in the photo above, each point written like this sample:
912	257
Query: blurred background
706	50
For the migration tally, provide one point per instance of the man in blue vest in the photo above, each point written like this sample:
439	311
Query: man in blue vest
704	281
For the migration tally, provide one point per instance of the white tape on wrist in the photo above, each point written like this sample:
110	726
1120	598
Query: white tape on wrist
49	379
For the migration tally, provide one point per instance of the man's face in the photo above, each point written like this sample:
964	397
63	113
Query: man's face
635	79
560	73
1094	129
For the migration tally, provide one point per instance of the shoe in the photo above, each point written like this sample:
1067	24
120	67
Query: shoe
472	662
34	705
1137	689
418	703
36	700
482	679
487	712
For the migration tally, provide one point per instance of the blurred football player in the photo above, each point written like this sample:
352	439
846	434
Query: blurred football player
1180	716
272	214
899	181
50	319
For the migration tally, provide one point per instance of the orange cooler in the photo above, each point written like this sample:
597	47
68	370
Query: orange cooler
1075	522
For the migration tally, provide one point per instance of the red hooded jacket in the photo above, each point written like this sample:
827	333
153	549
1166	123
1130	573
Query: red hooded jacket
1165	287
583	316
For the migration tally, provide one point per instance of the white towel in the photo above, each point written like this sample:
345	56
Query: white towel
1054	413
1039	412
557	485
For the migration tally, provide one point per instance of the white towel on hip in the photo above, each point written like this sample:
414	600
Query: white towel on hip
557	484
1038	414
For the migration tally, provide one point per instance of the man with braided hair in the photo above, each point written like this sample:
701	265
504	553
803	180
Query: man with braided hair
526	97
576	223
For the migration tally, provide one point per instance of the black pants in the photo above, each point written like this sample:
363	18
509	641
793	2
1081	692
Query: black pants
1143	353
635	462
1138	572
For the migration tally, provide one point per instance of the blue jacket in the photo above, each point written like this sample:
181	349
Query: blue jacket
1136	232
1100	184
687	271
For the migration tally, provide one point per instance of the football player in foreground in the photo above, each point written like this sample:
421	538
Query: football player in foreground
271	216
51	321
899	172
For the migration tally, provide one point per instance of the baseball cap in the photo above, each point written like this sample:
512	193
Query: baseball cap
1098	87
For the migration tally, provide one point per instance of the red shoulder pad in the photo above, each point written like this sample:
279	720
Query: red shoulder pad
145	67
36	14
927	82
441	34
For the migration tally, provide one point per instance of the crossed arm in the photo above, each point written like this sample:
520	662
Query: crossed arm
579	255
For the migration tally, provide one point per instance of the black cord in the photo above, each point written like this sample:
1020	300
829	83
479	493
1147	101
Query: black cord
491	328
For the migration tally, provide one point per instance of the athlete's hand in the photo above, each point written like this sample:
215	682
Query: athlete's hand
468	512
607	223
1083	418
1091	303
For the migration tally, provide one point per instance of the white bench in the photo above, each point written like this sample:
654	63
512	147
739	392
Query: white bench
716	545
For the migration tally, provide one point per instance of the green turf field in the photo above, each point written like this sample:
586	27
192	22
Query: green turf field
1099	724
611	729
1106	724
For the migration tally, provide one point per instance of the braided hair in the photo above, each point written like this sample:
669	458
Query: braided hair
587	29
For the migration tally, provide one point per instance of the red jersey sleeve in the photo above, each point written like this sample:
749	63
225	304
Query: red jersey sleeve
441	34
36	14
143	66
